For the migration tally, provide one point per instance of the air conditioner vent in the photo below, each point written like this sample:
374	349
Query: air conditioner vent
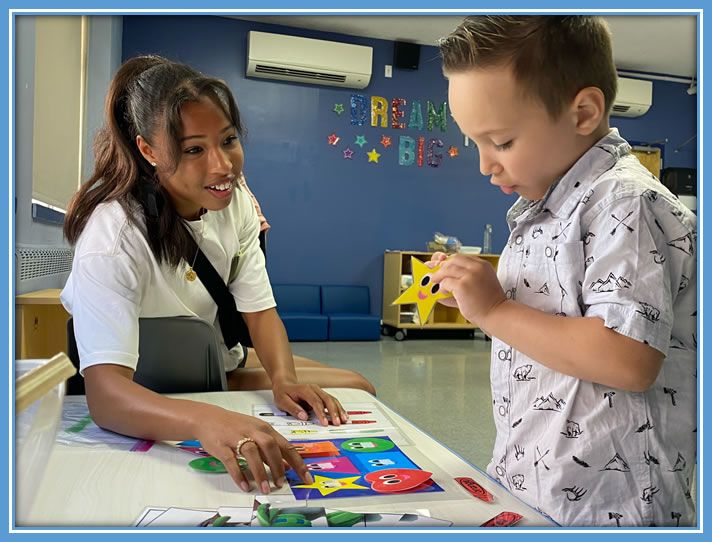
291	72
620	108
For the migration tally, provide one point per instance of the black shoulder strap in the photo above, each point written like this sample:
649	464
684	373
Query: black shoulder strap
233	326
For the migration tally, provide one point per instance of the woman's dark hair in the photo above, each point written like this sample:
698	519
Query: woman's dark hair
145	98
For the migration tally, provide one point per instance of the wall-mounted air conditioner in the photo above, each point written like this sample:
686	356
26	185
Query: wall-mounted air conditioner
306	60
634	97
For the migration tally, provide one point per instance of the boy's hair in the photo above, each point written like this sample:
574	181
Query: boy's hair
552	57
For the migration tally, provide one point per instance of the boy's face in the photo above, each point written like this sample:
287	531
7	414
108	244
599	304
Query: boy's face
521	148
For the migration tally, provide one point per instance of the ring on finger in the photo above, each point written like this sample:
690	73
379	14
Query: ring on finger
241	443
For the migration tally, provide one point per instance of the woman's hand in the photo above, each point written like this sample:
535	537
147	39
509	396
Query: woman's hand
473	282
289	396
221	430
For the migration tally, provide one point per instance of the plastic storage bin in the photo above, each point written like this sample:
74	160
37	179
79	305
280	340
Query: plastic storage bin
42	384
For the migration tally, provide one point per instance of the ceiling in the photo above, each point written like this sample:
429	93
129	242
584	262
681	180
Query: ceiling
652	44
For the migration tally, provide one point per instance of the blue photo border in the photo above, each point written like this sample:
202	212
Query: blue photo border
320	7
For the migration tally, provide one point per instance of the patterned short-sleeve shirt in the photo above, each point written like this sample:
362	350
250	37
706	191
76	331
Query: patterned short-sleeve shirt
608	241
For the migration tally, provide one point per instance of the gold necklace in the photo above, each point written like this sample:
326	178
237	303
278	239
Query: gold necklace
191	275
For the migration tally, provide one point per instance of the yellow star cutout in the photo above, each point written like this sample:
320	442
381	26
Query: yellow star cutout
326	486
422	292
373	156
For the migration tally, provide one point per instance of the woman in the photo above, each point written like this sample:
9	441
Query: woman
164	186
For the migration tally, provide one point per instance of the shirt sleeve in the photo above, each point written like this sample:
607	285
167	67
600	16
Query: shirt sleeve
629	279
249	282
106	296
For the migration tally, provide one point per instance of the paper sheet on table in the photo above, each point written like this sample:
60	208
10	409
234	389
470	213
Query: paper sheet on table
365	419
78	428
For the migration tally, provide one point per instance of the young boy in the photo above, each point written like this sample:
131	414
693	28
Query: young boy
593	309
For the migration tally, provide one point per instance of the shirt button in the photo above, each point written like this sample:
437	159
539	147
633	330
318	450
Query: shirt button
548	252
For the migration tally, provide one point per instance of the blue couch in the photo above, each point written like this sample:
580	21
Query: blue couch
321	313
349	312
299	307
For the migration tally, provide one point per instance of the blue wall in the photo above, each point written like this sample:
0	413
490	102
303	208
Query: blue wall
333	218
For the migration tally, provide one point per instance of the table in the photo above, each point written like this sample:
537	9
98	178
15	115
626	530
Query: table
85	486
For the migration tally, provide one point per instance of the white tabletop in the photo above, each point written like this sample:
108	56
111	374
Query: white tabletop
99	486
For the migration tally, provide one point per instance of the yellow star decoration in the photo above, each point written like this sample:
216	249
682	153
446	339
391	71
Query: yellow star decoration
373	156
326	486
422	292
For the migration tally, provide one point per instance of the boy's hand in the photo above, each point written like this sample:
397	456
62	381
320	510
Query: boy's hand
474	285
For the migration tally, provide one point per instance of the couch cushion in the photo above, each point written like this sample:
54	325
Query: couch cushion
354	327
306	326
345	299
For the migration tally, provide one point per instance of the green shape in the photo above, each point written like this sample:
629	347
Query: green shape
368	445
210	464
220	521
80	425
342	518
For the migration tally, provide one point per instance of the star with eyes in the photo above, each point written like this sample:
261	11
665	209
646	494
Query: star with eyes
422	292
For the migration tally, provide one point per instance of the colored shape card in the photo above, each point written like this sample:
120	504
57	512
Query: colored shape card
474	489
78	429
503	519
369	466
422	292
316	449
331	464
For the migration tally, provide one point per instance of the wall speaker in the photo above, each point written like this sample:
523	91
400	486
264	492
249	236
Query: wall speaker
406	56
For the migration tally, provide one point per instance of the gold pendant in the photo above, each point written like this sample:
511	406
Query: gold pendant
190	275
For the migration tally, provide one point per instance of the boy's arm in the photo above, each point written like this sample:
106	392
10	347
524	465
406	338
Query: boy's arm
581	347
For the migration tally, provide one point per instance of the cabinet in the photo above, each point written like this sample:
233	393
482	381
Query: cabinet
398	319
40	325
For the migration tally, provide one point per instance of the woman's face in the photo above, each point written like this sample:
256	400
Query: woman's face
211	160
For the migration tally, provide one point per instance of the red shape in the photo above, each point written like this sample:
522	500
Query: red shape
475	489
316	449
362	421
397	480
503	519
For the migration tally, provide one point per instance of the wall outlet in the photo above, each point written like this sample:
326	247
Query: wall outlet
388	71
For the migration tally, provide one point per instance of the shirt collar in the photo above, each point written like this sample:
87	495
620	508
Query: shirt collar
564	195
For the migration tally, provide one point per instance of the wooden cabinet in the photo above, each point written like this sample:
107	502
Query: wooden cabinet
40	325
398	319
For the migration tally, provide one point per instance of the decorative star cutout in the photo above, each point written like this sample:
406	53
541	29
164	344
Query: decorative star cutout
333	139
453	152
348	153
327	486
386	141
422	292
361	141
373	156
338	108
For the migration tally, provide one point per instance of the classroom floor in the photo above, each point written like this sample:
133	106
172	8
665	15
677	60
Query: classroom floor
441	386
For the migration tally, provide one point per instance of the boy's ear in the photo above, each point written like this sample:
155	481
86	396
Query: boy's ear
145	149
590	108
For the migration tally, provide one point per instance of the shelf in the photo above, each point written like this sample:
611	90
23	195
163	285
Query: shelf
396	265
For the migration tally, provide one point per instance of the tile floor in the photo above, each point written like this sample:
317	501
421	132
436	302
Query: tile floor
441	386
